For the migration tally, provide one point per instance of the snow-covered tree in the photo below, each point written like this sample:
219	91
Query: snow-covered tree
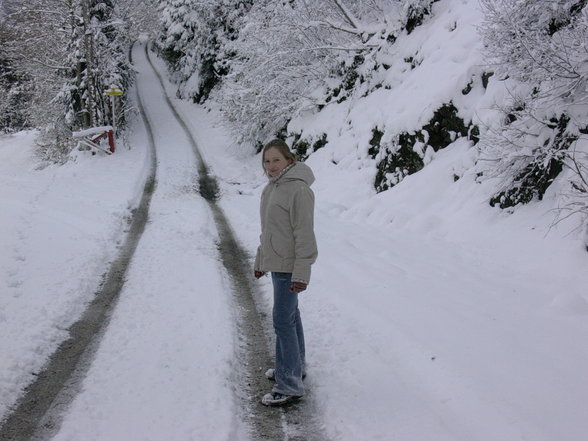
136	18
14	87
286	51
73	50
270	58
539	50
192	40
178	22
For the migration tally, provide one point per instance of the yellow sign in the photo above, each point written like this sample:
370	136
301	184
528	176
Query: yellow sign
114	91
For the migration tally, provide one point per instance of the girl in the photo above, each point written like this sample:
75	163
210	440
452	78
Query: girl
287	250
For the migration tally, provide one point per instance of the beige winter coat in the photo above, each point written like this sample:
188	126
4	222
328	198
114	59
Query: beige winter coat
288	244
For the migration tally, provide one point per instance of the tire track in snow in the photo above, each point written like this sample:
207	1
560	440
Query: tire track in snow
297	422
38	413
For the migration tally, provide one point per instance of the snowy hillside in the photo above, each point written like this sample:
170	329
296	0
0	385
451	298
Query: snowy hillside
437	76
450	195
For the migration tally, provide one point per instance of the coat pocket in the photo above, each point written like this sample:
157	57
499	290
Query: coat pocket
281	248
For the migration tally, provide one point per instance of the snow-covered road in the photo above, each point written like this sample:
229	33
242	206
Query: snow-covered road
169	346
458	324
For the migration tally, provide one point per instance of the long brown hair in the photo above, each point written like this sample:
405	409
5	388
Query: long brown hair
281	146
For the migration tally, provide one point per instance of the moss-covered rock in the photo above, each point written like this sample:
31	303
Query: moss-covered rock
305	147
539	174
396	166
375	142
416	14
320	143
445	127
406	154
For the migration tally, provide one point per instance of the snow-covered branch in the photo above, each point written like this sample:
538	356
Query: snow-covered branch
336	27
540	48
349	17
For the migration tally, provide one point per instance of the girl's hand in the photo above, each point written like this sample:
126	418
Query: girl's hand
297	287
258	274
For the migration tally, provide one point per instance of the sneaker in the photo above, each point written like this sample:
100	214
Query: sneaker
277	399
270	374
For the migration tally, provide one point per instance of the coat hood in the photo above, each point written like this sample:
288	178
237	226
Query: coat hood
298	171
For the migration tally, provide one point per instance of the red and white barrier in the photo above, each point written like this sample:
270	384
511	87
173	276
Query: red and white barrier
91	138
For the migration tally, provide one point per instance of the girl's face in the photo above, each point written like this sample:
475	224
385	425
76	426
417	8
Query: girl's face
274	162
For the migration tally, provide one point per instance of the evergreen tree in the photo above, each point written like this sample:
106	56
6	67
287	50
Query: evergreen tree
192	39
73	50
15	95
97	59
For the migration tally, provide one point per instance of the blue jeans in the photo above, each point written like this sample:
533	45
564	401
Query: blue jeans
289	337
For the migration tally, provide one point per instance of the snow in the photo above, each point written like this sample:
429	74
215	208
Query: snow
170	344
430	314
92	131
59	228
416	332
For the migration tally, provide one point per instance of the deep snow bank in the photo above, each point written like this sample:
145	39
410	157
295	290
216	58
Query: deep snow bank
59	226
